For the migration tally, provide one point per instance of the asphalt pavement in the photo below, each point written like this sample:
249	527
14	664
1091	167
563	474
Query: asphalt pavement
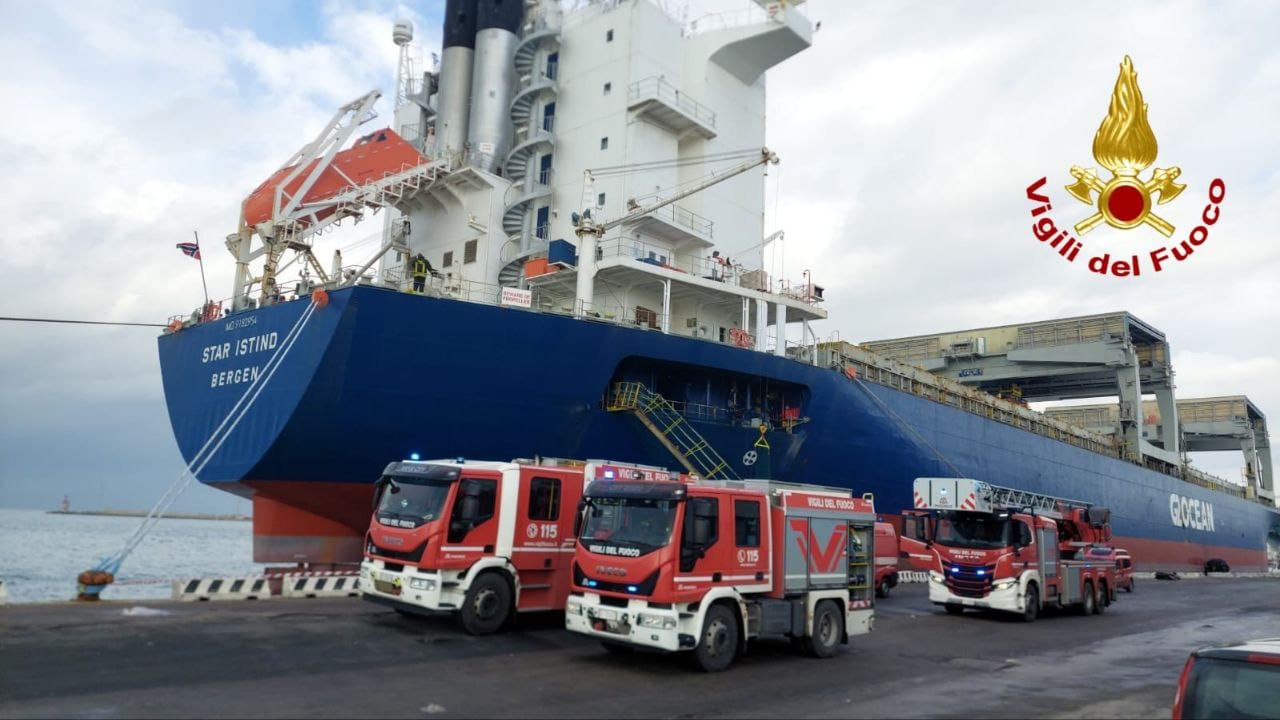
349	658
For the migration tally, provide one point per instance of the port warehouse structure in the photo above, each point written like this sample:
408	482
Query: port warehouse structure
320	432
1098	355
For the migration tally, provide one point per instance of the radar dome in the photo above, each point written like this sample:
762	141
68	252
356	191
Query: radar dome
402	33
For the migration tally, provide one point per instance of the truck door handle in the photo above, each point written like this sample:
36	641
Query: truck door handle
488	548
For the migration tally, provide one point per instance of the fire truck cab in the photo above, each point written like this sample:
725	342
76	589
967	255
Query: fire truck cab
1010	550
480	539
703	566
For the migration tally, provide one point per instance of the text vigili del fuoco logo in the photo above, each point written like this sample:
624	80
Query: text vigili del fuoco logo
1125	146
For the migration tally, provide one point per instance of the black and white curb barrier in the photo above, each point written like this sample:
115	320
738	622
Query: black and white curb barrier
912	576
320	585
227	588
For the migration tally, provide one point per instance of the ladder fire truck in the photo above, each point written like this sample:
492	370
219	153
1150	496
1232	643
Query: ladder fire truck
480	539
706	565
1011	550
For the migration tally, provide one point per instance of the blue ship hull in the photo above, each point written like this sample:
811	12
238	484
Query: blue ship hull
377	375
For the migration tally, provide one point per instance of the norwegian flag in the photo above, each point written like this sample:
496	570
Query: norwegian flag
191	249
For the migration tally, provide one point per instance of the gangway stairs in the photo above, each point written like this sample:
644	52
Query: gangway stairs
672	430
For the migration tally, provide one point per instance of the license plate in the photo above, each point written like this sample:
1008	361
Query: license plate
391	578
605	614
383	586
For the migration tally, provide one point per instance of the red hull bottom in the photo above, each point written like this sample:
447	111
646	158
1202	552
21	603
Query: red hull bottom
295	524
1154	555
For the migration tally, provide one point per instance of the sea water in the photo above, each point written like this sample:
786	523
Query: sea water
41	554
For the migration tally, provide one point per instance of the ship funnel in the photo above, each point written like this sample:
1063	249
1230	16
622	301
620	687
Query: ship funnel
493	80
453	103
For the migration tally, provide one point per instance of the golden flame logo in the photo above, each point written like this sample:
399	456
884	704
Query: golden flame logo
1125	145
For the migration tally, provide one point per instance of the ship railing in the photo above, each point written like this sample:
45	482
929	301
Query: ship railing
1212	482
705	267
866	366
657	88
729	19
635	316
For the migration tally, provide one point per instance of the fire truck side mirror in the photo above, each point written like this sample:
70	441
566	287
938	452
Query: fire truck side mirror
470	509
701	534
578	516
380	487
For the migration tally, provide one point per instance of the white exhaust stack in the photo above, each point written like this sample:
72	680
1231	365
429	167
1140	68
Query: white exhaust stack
493	80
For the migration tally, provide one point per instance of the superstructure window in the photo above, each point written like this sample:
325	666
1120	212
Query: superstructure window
604	143
448	259
544	499
608	88
469	251
608	36
600	200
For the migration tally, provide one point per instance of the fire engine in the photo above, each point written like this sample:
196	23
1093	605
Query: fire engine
1010	550
480	539
705	565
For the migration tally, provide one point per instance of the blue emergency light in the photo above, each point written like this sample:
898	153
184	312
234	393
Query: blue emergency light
415	456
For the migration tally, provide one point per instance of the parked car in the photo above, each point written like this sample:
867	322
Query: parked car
1216	565
1237	681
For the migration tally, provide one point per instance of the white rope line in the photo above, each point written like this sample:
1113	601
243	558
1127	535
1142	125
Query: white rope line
206	452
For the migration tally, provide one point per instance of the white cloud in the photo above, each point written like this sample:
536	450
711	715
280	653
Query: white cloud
129	128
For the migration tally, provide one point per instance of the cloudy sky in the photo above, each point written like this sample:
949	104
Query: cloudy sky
908	134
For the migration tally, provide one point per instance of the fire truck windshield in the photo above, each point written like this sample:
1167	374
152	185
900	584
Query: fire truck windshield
409	501
972	530
628	526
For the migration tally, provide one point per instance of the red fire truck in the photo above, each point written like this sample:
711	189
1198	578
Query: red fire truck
1010	550
480	539
886	559
704	566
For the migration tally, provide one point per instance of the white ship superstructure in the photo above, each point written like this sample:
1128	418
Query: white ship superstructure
611	108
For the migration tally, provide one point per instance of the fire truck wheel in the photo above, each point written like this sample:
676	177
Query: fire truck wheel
1031	604
1088	604
882	590
825	639
719	642
1104	599
487	605
1132	584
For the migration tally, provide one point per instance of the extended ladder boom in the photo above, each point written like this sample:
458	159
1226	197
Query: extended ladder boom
978	496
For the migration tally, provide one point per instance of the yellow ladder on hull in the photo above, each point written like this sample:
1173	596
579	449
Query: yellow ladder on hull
679	437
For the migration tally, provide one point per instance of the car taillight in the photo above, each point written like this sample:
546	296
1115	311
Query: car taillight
1264	659
1181	694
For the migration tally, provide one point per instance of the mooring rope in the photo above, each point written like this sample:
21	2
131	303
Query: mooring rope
111	563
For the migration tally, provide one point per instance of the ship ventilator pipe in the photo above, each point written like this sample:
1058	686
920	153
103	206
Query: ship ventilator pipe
93	581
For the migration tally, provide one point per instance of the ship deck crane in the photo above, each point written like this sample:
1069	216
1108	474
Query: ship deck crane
589	230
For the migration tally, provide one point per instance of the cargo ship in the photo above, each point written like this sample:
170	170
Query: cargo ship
548	281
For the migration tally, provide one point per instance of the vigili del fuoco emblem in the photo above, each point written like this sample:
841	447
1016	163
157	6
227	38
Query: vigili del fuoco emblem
1125	145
